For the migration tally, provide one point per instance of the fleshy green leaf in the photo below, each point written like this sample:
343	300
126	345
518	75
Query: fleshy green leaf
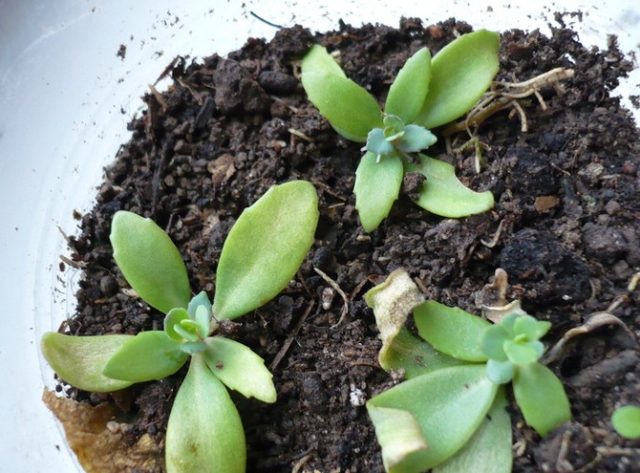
443	194
460	73
378	144
318	60
149	261
147	356
409	89
204	431
541	398
200	299
530	327
626	421
499	372
509	320
414	356
80	361
489	450
377	187
265	248
493	342
188	330
351	110
451	330
239	368
415	138
398	433
203	319
172	319
520	353
448	404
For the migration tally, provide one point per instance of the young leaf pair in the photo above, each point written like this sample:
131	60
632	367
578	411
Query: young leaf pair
425	94
449	414
261	254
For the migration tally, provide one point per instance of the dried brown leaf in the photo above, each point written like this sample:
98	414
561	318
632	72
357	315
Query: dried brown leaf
96	437
221	169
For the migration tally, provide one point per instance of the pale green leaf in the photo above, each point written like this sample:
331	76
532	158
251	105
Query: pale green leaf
203	319
460	73
349	108
393	125
265	248
188	330
520	353
414	356
449	405
443	194
204	433
626	421
149	261
530	327
409	89
415	138
541	398
378	144
499	372
509	320
489	450
451	330
493	342
239	368
318	60
80	361
377	187
172	319
398	434
200	299
147	356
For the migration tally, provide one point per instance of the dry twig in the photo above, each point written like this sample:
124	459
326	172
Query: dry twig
285	347
506	94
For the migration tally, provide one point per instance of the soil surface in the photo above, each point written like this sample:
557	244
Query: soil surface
566	228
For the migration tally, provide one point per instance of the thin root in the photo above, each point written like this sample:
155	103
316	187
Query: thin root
285	346
495	238
478	146
506	94
300	135
562	464
300	463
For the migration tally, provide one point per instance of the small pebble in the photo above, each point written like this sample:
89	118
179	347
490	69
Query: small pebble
612	207
108	286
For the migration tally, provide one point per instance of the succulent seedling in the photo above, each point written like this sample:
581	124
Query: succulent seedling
449	414
426	94
626	421
261	254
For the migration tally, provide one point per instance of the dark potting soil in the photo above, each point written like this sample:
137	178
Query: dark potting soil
566	228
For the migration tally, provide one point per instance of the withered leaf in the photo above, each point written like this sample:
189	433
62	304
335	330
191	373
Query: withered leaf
98	442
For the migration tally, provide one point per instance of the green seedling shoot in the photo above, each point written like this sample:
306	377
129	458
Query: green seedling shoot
626	421
449	414
261	254
426	94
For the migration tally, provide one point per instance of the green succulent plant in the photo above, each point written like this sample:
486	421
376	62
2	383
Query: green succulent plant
449	415
626	421
261	254
426	94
